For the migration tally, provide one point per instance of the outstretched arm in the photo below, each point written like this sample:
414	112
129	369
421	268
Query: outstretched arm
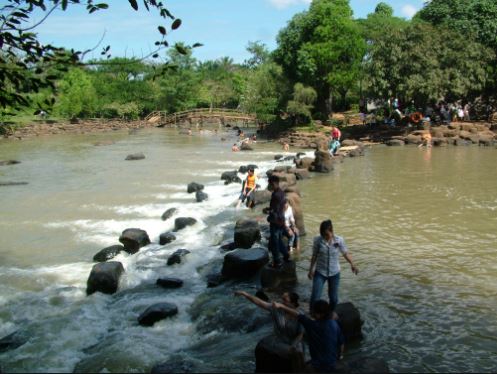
291	311
254	299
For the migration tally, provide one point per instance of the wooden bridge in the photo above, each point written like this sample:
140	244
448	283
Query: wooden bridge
200	117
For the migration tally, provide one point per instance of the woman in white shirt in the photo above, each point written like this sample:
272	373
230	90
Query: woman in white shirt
325	265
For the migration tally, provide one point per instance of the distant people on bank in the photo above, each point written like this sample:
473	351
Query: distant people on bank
285	324
248	187
235	148
325	264
286	147
276	219
333	146
324	336
336	134
292	232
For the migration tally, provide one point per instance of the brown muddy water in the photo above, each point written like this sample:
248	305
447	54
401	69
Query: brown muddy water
420	224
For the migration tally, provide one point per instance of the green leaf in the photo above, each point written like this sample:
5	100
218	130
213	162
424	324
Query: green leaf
133	4
162	30
196	45
176	24
181	50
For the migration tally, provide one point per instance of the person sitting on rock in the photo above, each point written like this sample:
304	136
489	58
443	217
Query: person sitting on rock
248	188
235	148
324	336
291	228
285	324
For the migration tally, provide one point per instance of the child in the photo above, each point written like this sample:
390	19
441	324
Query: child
291	229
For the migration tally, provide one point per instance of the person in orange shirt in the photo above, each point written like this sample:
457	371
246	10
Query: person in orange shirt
248	189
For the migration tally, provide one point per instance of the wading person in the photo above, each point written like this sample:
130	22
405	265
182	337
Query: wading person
324	336
276	219
248	189
325	264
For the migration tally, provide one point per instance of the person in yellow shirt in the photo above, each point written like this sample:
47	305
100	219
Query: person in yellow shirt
248	189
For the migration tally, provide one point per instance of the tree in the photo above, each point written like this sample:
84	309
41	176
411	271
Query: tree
260	54
322	48
22	54
300	107
77	95
384	9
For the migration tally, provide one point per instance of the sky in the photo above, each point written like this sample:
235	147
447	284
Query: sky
224	27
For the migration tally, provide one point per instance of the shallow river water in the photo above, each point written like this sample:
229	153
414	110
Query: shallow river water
420	224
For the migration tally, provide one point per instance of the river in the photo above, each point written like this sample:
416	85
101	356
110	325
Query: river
419	223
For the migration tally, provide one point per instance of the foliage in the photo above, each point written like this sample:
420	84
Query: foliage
300	107
24	59
77	95
128	111
323	49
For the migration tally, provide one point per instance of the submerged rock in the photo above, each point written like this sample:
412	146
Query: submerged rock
230	177
9	162
350	321
108	253
169	282
168	213
247	232
182	222
134	239
156	313
104	277
13	183
244	263
135	157
177	256
12	341
274	356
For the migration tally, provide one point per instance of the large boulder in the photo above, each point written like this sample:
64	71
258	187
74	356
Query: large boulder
177	256
301	173
247	232
350	321
244	263
194	187
169	282
134	239
156	313
294	201
274	278
262	197
304	163
246	147
168	213
323	163
290	179
181	222
274	356
108	253
104	277
135	157
166	238
414	139
201	196
394	142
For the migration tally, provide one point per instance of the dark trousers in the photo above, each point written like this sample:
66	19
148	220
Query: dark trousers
276	245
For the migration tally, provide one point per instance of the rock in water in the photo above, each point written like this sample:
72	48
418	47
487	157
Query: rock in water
177	256
12	341
182	222
104	277
350	321
194	187
201	196
168	213
247	232
169	282
274	278
166	238
274	356
244	263
156	313
134	239
108	253
135	157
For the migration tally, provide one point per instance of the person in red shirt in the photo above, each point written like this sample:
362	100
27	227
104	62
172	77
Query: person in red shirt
336	134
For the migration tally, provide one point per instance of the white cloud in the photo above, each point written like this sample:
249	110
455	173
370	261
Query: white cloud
282	4
409	10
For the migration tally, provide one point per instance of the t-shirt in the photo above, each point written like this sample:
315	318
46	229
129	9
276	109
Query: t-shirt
276	206
250	182
328	255
287	329
336	133
325	339
289	218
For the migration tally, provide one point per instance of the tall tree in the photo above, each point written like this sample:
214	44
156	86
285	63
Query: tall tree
322	48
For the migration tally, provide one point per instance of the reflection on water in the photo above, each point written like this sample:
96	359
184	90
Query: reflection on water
419	222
